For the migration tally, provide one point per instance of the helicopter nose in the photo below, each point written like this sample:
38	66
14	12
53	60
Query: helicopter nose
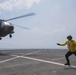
11	28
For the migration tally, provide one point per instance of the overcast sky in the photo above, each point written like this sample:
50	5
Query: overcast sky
53	22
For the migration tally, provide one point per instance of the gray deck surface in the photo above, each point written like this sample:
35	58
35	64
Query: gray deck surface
35	62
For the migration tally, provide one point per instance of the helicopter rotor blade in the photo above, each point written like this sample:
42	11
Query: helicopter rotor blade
30	14
20	26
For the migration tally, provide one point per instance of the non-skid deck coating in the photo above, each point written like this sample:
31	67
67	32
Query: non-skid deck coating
35	62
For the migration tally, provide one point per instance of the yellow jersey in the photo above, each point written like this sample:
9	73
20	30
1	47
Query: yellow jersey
71	44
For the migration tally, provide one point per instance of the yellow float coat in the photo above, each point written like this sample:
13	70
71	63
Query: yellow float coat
71	44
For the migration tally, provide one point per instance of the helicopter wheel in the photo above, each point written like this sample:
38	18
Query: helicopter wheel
0	38
10	36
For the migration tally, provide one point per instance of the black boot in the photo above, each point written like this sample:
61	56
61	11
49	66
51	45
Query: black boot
67	64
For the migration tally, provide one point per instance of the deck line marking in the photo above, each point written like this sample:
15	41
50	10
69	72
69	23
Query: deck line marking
32	52
43	60
35	59
9	59
40	60
28	53
50	62
16	56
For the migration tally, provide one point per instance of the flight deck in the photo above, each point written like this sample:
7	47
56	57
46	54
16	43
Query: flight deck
36	62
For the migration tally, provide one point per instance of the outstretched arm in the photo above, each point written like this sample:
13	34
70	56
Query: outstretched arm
62	44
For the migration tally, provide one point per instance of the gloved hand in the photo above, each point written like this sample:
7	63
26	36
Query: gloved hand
58	44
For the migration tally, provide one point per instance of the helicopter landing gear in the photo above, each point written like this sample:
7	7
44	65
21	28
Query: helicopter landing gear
10	36
0	38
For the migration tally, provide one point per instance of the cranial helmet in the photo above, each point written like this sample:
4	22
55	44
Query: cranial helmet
69	37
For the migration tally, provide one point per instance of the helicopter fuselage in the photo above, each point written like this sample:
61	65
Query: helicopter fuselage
6	29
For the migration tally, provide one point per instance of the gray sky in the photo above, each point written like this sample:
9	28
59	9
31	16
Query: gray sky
53	22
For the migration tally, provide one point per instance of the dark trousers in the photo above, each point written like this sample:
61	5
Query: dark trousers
69	54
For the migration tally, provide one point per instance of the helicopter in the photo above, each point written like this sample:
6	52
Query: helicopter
7	28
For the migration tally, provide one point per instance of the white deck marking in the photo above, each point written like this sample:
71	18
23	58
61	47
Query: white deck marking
9	59
45	61
32	52
40	60
35	59
28	53
16	56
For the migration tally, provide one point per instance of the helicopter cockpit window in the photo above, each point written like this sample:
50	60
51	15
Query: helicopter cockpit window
6	23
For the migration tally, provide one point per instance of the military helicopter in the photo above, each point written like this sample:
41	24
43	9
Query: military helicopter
7	28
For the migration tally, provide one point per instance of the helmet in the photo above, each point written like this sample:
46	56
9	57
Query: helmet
69	37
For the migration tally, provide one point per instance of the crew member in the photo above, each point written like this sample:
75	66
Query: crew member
71	44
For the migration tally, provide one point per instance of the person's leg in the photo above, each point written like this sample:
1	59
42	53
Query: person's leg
74	53
67	57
